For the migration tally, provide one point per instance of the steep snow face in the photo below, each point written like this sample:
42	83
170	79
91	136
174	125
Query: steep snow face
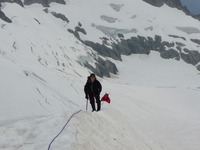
154	102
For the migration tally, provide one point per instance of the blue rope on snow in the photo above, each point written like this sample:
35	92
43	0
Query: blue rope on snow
63	128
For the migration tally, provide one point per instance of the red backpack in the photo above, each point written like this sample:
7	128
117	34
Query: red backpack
106	98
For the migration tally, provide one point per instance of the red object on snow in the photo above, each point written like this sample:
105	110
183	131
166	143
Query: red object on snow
106	98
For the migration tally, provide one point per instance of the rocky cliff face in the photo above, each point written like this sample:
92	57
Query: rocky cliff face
174	4
157	3
171	3
12	1
4	17
45	3
197	17
142	45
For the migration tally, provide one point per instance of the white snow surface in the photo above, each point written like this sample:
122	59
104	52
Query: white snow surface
154	102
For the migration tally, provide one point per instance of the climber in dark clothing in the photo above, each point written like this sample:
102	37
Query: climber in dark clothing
95	92
92	91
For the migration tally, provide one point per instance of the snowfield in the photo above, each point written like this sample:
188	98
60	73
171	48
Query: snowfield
154	102
142	115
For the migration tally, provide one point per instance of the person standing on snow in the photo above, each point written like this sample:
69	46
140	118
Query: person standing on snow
93	89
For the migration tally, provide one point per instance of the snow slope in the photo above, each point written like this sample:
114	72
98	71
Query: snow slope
155	102
141	115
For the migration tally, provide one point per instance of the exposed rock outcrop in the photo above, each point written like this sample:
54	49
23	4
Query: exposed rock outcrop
9	1
19	2
4	17
142	45
198	67
197	17
60	16
174	4
157	3
104	50
171	53
79	29
44	3
191	57
197	41
103	67
57	15
76	31
176	36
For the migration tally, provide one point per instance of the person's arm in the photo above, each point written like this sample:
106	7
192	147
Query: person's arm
85	88
100	87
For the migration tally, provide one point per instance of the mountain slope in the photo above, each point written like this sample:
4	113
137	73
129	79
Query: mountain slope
46	55
150	112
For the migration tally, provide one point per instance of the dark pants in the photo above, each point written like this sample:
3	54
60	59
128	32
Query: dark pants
92	102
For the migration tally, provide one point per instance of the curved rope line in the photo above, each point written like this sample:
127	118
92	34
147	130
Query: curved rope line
63	128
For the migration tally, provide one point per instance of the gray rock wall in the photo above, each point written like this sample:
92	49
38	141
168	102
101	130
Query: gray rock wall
103	67
60	16
171	3
19	2
191	56
4	17
157	3
142	45
44	3
197	41
12	1
174	4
